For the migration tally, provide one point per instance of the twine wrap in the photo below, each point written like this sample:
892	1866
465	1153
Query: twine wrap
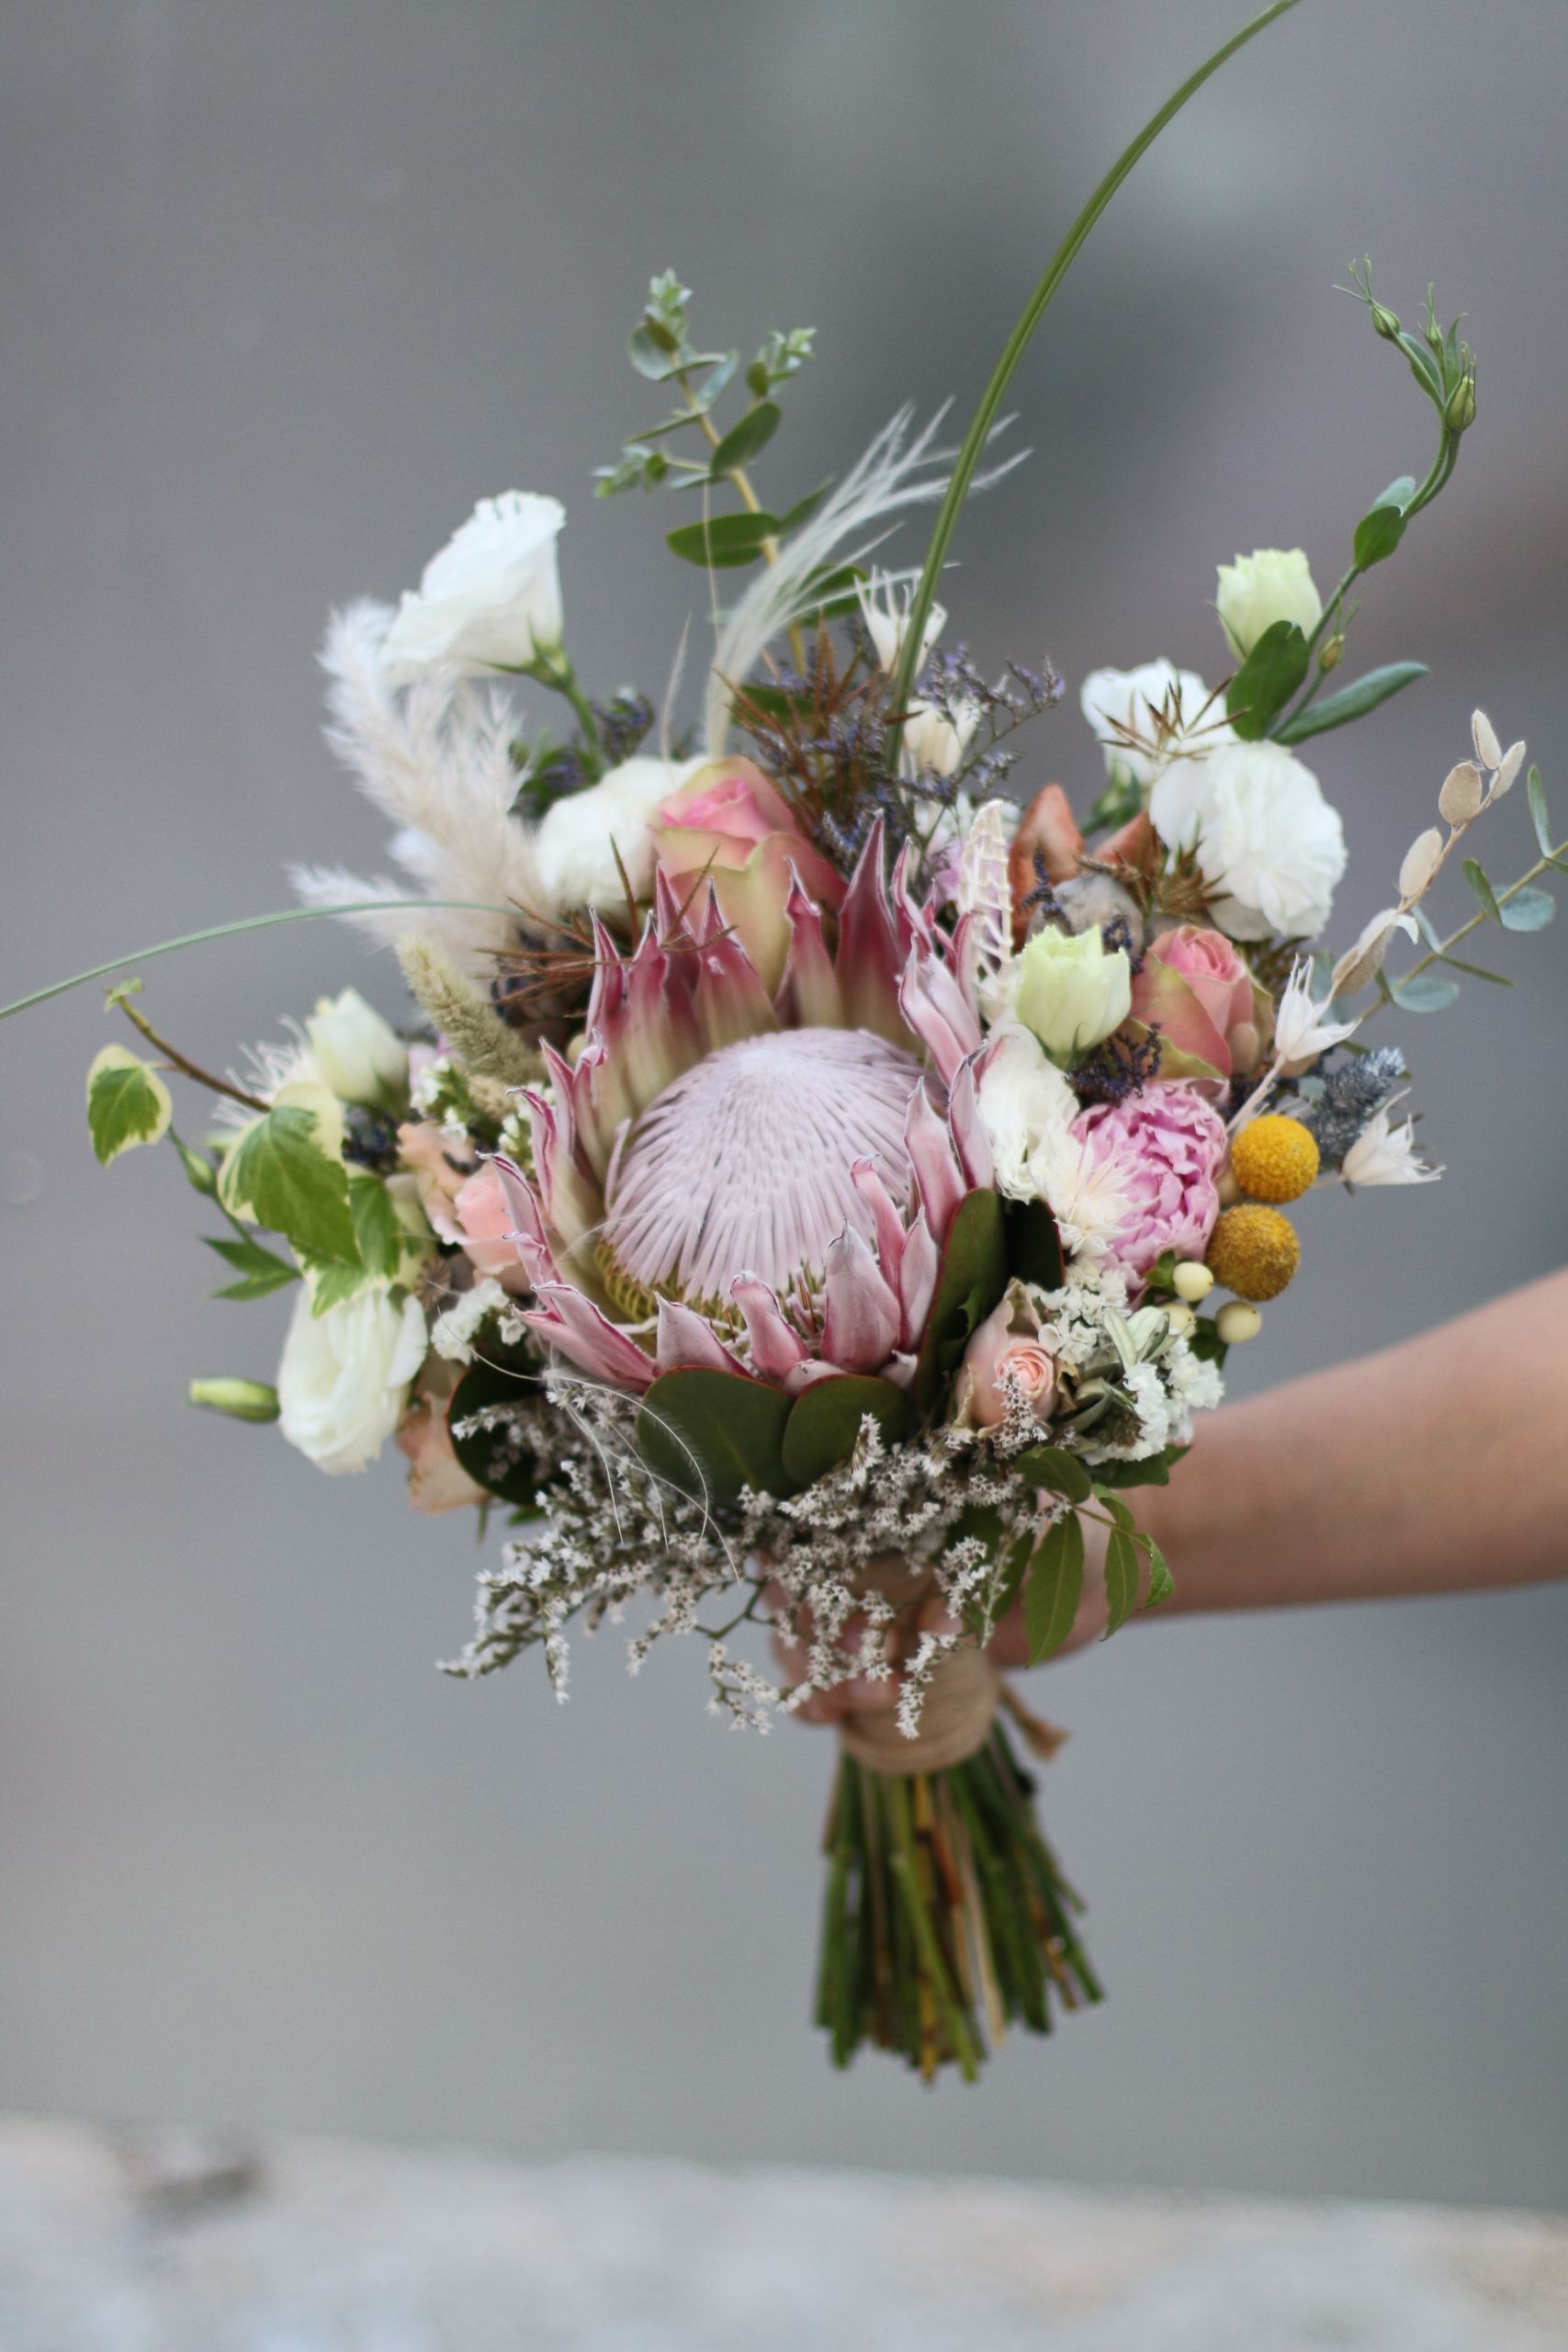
961	1703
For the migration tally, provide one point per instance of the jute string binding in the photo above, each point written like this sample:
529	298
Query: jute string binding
961	1703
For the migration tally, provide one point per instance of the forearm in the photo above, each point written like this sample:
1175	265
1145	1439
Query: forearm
1434	1466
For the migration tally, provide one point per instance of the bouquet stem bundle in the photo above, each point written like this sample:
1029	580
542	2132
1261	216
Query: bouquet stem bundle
946	1918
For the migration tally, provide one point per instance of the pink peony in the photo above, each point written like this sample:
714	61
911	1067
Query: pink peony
484	1221
997	1355
1165	1147
1197	989
734	827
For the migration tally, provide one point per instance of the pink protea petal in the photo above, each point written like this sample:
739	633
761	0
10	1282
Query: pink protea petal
809	996
935	1163
777	1349
935	1008
528	1218
730	1001
685	1343
868	958
887	1217
969	1137
861	1316
574	1324
917	1280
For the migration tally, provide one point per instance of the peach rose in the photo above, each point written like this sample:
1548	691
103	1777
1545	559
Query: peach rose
438	1480
734	828
483	1222
423	1151
996	1355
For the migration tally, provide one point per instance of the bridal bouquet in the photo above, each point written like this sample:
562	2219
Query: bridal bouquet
817	1182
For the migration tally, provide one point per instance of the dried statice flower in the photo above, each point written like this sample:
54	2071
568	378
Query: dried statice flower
1340	1100
1118	1067
622	722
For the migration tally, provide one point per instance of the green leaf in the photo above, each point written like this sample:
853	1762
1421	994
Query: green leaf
803	510
1540	819
1154	1470
653	350
1352	702
376	1228
1474	873
1121	800
201	1174
1527	909
833	590
1121	1580
1055	1587
277	1174
1034	1247
1162	1584
260	1271
1052	1467
1426	992
724	541
970	1280
493	1457
1267	678
744	439
710	1433
1380	529
128	1102
825	1423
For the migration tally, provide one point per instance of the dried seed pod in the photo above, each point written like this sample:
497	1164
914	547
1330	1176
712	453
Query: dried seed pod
1513	760
1461	797
1357	966
1421	862
1483	735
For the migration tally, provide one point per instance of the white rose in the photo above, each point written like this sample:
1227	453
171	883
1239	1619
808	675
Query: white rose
1269	585
1157	704
344	1380
1266	838
491	596
1072	991
356	1053
1022	1099
573	850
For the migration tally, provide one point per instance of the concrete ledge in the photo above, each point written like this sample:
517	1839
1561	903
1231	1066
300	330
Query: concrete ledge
113	2240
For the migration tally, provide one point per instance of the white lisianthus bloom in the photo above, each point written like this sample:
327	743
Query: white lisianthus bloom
1267	840
1382	1154
1022	1098
491	599
885	612
1071	990
579	836
344	1376
1158	705
1269	585
356	1053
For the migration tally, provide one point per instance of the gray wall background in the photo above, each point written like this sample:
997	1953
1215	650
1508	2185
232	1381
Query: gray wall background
286	288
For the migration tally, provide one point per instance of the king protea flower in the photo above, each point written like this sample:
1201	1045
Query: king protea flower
746	1183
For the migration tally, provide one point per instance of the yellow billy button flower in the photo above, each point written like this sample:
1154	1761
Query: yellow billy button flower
1253	1251
1274	1158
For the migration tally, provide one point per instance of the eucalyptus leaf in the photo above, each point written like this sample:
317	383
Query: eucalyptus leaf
1267	678
1424	992
1528	909
1350	702
128	1102
724	541
1475	875
825	1423
711	1433
803	510
1053	1588
745	438
1539	817
971	1278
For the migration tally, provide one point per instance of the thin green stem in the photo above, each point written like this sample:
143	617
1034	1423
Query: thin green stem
249	922
985	416
1553	858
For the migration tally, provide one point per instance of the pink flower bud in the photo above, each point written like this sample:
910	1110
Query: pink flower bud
997	1356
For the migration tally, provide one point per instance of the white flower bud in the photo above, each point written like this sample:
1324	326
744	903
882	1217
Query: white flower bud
1271	584
1461	797
1483	735
1071	990
1192	1280
243	1400
1237	1322
358	1055
1421	862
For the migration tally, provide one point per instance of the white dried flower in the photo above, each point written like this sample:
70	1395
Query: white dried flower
1384	1154
1421	861
1300	1032
1357	966
1462	794
1507	775
885	609
1483	735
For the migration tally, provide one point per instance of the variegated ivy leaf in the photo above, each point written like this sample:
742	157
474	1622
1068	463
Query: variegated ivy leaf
128	1102
286	1172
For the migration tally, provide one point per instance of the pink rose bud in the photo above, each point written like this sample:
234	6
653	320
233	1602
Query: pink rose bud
1195	988
484	1222
731	827
997	1356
